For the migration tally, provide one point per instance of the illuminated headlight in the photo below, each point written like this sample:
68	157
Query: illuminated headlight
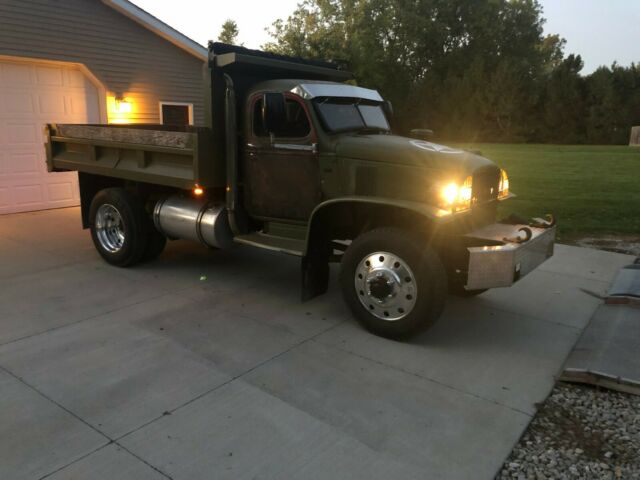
503	188
455	197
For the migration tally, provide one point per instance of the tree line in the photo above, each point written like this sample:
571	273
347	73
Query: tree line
471	70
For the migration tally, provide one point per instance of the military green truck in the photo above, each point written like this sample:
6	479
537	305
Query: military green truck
297	159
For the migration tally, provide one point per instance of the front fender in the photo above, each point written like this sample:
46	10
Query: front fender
429	212
318	248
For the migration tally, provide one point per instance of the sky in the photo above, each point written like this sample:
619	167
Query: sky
601	31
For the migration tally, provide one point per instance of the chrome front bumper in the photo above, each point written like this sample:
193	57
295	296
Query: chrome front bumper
503	265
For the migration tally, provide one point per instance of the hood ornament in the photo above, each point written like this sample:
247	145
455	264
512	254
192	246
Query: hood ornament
433	147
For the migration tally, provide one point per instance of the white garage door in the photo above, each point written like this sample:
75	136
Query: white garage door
31	95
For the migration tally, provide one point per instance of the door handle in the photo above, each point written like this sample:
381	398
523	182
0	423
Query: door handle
313	148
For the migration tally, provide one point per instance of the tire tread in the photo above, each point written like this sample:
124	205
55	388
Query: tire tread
429	270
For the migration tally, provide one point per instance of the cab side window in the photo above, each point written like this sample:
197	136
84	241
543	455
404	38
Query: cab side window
296	125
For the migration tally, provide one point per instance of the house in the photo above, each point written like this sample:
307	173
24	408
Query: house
84	61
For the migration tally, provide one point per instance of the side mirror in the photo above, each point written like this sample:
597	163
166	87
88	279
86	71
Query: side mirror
421	133
274	112
387	108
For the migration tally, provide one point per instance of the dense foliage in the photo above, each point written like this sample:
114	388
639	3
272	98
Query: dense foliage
229	32
469	69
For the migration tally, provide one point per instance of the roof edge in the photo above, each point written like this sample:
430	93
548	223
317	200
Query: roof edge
158	27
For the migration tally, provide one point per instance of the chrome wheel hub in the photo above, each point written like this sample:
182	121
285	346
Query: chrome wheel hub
109	228
386	286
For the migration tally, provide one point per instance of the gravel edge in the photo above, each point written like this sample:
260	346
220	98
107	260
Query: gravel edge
579	432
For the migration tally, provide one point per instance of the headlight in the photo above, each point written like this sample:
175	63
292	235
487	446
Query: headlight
503	187
455	197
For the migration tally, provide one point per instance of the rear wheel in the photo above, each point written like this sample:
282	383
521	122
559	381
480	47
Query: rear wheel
394	285
119	226
157	242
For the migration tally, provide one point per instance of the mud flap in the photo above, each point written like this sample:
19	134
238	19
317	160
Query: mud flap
315	275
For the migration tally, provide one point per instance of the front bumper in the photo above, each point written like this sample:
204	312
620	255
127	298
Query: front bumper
503	262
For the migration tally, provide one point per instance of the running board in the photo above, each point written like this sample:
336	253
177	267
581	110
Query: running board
290	246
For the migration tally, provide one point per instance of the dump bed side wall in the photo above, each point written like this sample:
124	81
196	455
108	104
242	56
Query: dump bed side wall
151	155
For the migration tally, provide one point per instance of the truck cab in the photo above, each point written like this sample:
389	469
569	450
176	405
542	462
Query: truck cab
297	159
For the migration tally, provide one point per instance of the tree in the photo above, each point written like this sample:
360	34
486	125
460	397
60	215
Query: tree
563	109
613	98
468	69
229	32
424	54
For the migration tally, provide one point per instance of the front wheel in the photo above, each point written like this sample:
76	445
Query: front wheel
394	285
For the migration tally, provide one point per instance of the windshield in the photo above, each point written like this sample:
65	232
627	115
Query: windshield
344	114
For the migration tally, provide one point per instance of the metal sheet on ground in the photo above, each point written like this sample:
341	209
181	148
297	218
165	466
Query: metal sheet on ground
607	352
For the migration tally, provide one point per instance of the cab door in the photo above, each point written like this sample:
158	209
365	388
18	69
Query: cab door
281	172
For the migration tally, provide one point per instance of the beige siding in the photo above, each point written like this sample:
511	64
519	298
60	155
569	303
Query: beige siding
127	58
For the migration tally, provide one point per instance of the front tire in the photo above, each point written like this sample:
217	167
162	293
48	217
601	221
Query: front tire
459	291
118	225
394	285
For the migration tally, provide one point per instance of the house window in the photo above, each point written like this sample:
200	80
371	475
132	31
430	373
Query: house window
176	114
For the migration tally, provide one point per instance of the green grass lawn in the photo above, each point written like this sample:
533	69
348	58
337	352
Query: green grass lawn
592	190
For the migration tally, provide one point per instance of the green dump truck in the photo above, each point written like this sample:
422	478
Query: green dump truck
298	160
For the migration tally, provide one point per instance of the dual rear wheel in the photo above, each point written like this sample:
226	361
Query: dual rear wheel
122	231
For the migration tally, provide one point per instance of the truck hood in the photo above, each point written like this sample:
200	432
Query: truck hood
402	151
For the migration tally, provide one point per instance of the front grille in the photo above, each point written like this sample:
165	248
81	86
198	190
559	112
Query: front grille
485	186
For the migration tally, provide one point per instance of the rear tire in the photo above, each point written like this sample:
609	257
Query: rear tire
157	242
118	224
395	285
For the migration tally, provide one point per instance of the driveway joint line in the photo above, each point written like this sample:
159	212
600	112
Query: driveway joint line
44	395
143	460
92	317
225	383
428	379
75	461
80	419
44	270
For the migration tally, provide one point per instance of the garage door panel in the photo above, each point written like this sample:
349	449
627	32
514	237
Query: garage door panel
49	76
59	192
20	134
32	95
18	103
28	195
22	163
85	106
76	79
14	74
51	103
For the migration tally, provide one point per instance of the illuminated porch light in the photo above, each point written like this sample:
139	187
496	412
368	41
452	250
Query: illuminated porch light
119	109
122	106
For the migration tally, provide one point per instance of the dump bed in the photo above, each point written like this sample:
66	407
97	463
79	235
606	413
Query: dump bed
156	154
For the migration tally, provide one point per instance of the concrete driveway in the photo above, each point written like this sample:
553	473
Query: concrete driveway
204	364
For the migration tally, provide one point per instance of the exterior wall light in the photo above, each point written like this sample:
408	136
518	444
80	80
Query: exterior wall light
119	109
